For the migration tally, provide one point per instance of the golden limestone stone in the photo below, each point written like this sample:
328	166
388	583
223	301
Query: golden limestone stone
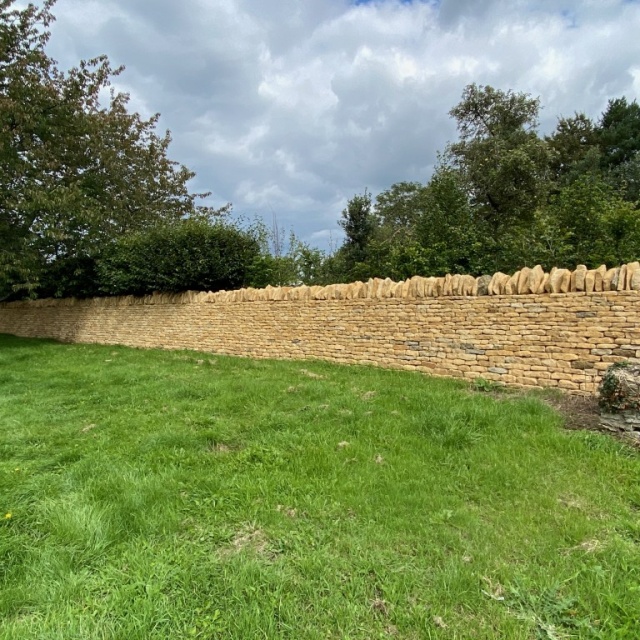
547	284
590	281
385	288
396	289
536	278
622	278
511	288
523	281
417	290
469	286
632	267
429	287
578	278
446	289
494	286
455	285
599	279
610	280
558	279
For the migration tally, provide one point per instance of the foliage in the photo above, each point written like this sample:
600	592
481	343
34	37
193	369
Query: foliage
359	226
500	156
188	255
282	261
74	174
574	148
597	225
619	132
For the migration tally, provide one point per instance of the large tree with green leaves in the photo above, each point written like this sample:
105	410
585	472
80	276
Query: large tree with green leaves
359	226
503	161
74	173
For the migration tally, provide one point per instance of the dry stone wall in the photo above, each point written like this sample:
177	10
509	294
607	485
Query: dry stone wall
532	329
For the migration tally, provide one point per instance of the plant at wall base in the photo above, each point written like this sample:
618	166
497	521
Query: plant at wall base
487	386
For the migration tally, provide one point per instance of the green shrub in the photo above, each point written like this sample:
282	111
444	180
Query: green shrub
190	255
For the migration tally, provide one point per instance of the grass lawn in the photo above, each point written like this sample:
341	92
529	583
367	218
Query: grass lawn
156	494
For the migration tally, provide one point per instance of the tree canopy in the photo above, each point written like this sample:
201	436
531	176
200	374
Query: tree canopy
74	173
503	196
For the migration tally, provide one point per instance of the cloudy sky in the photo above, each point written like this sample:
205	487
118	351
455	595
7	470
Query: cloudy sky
290	107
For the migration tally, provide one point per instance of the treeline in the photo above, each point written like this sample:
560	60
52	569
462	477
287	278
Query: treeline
91	204
504	196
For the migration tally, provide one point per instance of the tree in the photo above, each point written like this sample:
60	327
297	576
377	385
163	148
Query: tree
448	230
575	148
598	224
619	132
74	174
505	164
359	225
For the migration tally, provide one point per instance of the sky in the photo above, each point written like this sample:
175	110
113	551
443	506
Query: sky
288	108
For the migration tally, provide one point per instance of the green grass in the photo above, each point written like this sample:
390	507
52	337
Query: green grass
175	495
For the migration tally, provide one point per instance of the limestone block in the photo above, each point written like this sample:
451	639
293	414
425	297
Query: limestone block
523	284
494	284
396	290
340	291
578	278
556	280
547	286
418	286
542	288
455	285
482	286
385	288
635	281
632	268
429	287
446	288
468	286
375	284
590	281
622	278
536	278
610	280
511	288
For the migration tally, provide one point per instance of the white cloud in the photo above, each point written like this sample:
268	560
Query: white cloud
293	106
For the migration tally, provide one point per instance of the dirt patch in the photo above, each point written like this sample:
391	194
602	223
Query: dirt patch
311	374
583	412
579	412
248	539
219	447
